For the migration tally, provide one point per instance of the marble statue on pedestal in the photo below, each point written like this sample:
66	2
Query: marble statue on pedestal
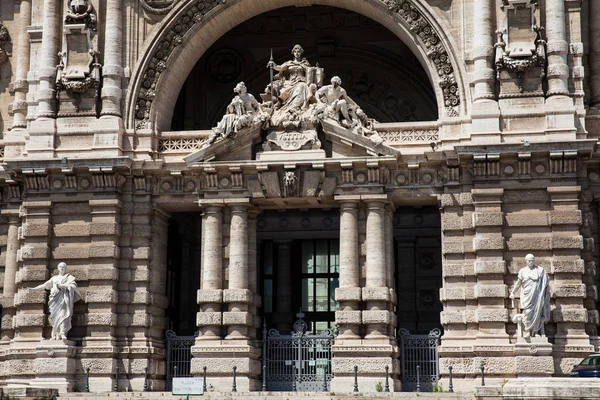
241	113
63	294
534	298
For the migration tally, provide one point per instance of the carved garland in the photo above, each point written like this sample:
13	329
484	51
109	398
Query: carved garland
160	57
435	51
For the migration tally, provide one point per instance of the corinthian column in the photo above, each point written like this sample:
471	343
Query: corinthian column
557	49
112	71
46	94
23	50
483	50
210	296
348	295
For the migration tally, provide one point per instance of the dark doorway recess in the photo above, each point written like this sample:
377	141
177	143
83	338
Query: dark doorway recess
377	69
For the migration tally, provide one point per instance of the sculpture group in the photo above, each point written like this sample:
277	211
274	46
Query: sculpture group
294	103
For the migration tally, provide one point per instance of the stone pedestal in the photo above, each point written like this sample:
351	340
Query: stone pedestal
219	357
534	357
371	361
55	365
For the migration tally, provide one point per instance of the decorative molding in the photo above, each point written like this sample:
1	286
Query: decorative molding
410	135
158	7
173	38
436	51
181	144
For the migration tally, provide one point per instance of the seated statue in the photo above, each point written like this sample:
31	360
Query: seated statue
241	113
334	103
293	89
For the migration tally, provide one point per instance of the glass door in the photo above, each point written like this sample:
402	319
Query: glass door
319	277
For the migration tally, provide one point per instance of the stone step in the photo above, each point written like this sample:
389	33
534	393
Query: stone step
270	395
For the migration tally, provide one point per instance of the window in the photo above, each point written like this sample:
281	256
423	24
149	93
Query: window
320	262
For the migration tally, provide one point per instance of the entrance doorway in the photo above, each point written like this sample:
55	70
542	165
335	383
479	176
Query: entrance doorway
314	273
299	259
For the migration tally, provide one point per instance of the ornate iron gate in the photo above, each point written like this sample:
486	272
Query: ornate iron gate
422	351
300	361
179	356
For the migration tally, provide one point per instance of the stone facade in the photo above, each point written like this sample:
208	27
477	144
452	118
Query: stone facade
94	174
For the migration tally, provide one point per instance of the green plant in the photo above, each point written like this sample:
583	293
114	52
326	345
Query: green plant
504	382
379	386
438	388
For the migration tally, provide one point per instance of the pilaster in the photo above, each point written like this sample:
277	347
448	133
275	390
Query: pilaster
490	290
34	254
567	288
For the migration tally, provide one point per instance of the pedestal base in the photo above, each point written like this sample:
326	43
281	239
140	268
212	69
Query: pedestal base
219	357
534	357
54	365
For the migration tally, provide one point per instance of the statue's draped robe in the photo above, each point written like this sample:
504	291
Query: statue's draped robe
61	302
535	298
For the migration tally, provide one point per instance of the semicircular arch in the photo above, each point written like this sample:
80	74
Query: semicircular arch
189	30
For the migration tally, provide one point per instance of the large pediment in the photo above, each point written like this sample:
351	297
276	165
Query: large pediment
341	142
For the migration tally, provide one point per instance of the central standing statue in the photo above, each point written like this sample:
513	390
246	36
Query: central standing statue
535	297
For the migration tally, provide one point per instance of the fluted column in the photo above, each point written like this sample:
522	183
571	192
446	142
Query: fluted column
557	49
238	296
46	94
112	71
594	57
20	84
283	303
483	50
210	296
375	293
348	295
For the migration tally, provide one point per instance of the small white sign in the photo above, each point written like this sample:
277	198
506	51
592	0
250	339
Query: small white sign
183	386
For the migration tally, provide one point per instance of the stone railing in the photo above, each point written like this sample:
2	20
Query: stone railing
181	142
1	149
409	133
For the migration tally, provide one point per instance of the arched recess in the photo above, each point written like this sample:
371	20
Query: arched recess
193	26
